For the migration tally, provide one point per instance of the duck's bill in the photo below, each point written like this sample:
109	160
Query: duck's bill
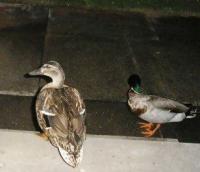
35	72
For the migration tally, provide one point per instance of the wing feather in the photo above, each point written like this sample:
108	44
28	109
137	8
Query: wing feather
167	104
67	124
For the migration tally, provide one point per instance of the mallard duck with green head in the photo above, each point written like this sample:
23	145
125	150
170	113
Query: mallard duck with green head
60	113
154	109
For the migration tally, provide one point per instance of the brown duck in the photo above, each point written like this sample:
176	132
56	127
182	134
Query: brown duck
61	114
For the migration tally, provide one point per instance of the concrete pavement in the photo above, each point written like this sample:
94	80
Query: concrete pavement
22	151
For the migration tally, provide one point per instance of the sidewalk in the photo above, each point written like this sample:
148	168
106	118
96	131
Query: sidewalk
22	151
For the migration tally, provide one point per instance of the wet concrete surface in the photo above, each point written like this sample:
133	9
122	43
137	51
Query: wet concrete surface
17	112
22	32
98	51
111	118
97	68
91	48
103	118
101	49
188	131
168	71
169	65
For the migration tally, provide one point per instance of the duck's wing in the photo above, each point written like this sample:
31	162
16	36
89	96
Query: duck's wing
63	107
43	102
65	110
69	110
167	104
75	100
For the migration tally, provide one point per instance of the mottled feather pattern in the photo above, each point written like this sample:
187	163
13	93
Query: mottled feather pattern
137	103
67	126
167	104
156	109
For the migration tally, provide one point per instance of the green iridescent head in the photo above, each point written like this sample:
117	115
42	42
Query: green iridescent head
134	82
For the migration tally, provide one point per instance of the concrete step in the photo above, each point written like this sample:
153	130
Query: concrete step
108	118
21	151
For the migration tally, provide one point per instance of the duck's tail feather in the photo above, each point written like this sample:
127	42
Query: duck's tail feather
72	159
193	111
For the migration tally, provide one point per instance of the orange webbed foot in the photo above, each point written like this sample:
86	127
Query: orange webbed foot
147	126
148	129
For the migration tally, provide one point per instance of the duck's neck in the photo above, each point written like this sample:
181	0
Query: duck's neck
136	89
57	82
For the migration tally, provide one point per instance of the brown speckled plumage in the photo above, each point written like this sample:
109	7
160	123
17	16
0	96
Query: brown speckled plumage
61	114
67	126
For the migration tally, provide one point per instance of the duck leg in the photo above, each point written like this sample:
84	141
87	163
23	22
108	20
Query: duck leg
43	136
148	128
